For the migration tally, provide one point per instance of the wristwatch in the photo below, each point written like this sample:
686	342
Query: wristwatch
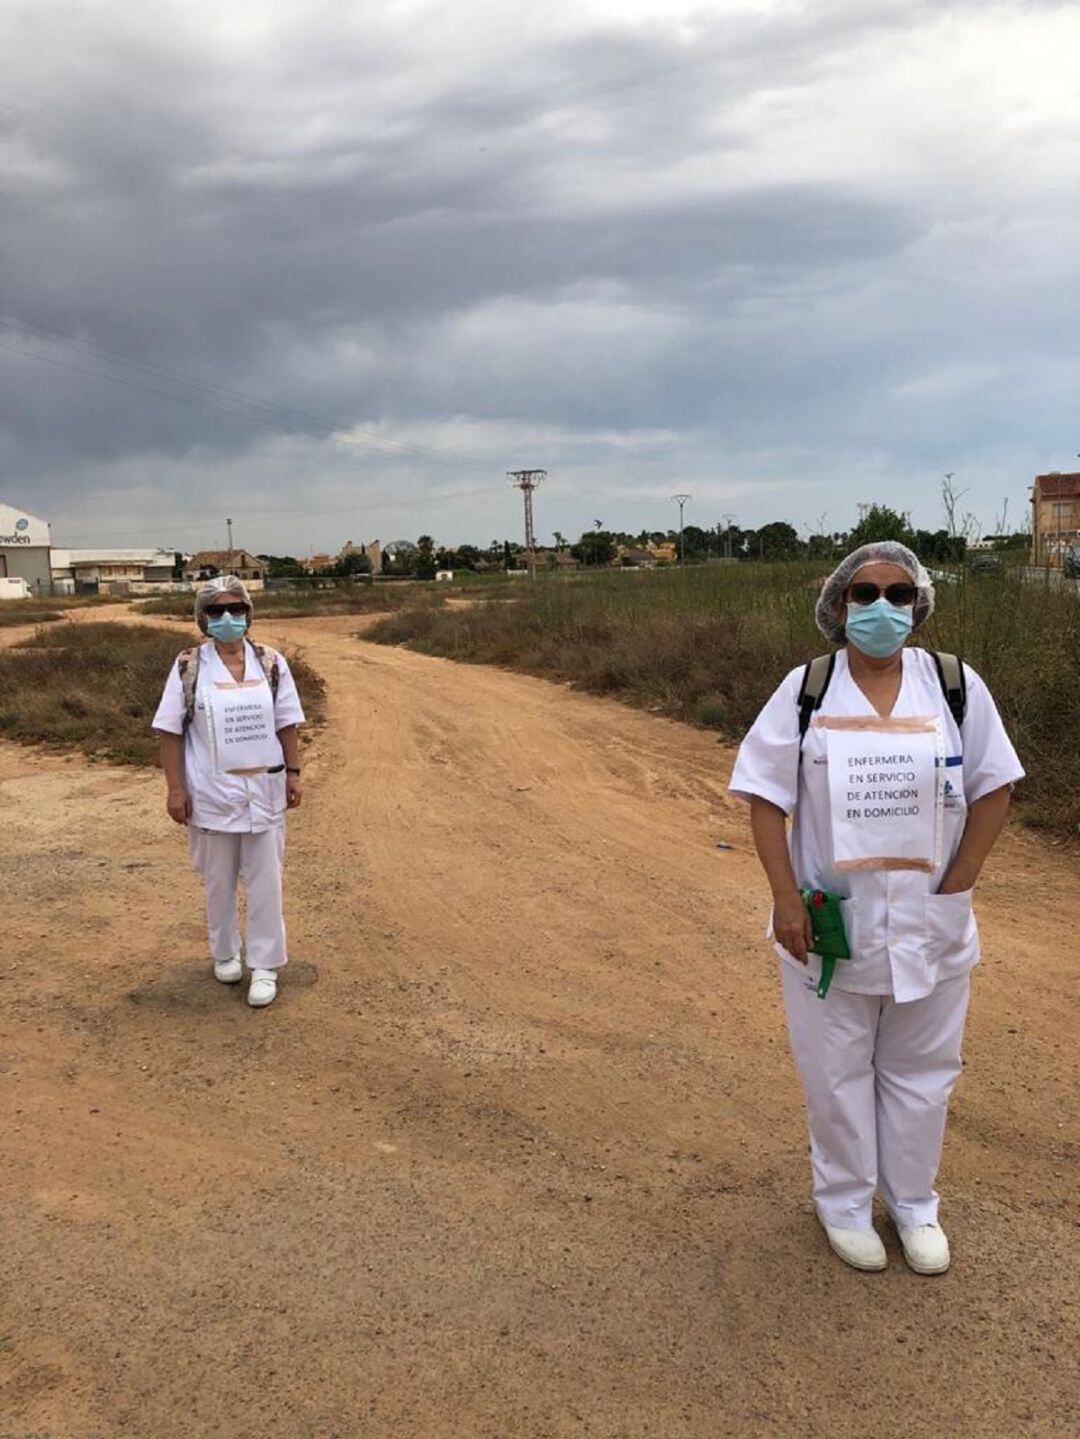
289	769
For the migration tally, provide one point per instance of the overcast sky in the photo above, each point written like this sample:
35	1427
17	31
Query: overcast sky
784	257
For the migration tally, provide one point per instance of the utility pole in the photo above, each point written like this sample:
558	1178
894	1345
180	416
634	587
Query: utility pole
228	531
526	481
681	500
728	521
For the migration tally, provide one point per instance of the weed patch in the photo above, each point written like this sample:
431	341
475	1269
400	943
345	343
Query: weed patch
10	618
44	609
302	604
95	688
709	645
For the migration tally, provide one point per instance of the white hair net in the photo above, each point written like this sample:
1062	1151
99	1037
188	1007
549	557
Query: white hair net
220	591
830	605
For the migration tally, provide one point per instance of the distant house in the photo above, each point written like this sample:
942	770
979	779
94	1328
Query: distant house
647	557
99	571
638	559
372	551
208	564
316	564
554	560
1055	519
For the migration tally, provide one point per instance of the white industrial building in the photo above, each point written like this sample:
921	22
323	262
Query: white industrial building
112	571
25	551
30	565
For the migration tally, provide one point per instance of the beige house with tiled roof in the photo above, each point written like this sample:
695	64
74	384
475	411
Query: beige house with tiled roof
208	564
555	560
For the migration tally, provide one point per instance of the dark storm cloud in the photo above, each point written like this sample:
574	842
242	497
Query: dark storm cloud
355	272
376	219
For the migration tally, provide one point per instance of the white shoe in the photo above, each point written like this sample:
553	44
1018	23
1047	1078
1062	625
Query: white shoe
263	988
228	970
926	1248
861	1248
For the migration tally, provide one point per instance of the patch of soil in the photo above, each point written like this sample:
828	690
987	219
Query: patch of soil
529	1159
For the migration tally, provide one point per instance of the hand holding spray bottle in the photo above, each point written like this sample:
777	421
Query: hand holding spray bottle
830	939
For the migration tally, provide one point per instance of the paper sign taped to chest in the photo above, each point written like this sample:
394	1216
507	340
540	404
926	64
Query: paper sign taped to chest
242	727
884	791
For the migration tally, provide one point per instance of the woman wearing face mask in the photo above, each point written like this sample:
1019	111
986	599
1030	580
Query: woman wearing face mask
228	722
895	804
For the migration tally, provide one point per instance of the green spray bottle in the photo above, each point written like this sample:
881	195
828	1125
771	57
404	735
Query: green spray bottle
830	938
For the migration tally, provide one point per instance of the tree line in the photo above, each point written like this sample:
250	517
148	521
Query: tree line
777	540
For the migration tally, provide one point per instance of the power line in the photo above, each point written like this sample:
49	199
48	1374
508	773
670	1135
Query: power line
218	392
228	401
219	397
432	501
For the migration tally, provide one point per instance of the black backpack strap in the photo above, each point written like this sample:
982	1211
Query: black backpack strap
950	672
815	682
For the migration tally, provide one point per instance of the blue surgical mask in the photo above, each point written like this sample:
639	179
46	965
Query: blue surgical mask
879	629
227	627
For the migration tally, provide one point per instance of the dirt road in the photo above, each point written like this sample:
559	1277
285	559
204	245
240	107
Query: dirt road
519	1151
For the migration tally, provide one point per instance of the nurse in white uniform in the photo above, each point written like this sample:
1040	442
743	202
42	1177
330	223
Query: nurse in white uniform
228	722
894	807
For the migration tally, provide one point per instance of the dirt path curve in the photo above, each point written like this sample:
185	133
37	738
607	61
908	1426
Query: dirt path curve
528	1159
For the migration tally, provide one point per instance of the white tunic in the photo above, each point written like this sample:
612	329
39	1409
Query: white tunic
904	936
225	802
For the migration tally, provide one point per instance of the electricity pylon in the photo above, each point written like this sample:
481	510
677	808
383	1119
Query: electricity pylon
526	481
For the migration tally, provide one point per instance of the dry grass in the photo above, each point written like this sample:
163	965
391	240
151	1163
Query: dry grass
95	688
710	644
45	611
43	615
360	599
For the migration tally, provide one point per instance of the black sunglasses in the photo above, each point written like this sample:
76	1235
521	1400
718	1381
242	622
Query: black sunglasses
864	593
215	612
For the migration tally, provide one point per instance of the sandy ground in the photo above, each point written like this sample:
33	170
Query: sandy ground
519	1151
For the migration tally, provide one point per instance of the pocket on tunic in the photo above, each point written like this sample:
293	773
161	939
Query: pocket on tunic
951	935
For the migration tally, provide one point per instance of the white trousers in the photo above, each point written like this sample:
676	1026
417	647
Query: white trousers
877	1077
221	859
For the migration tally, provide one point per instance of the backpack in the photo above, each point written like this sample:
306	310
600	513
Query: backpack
187	665
819	671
